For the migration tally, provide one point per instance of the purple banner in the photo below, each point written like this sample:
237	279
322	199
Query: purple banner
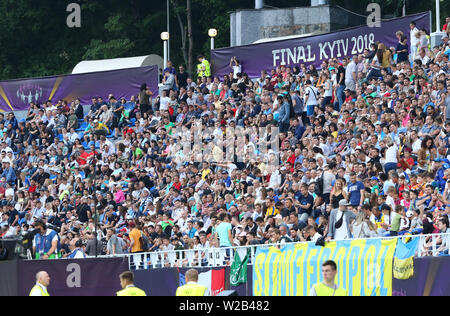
82	277
16	95
313	49
431	278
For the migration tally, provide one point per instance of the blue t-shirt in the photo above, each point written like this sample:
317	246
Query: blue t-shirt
304	200
222	230
354	189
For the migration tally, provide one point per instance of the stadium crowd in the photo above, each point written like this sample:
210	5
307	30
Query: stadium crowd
363	152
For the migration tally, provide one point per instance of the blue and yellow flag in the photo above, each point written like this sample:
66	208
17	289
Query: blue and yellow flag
403	258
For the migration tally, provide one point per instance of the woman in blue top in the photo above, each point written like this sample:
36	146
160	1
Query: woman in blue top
223	231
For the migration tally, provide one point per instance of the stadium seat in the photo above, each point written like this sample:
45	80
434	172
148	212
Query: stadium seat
82	127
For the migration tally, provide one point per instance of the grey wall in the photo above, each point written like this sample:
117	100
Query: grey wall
248	26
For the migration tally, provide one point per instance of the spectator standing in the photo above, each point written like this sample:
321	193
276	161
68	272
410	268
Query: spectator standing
350	74
340	222
136	237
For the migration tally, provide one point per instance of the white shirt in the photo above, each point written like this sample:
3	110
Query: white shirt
164	103
236	70
341	232
312	97
316	237
416	145
412	36
351	68
391	154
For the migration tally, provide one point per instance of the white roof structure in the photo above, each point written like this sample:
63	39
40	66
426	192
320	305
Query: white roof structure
117	63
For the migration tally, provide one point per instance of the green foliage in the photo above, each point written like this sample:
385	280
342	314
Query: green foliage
35	40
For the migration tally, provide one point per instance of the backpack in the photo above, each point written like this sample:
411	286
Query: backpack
319	185
299	106
144	242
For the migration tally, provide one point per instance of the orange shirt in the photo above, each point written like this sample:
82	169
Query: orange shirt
135	235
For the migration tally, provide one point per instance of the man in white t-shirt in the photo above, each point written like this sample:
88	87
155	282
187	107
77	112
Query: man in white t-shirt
350	74
164	101
237	68
414	40
311	99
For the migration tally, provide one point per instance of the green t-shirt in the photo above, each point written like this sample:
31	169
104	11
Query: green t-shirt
165	224
168	126
395	226
375	187
138	151
222	231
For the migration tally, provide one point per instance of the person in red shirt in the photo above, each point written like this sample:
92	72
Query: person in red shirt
176	183
82	158
127	130
293	157
32	188
446	25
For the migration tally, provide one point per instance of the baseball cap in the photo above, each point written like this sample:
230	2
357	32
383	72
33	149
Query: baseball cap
344	202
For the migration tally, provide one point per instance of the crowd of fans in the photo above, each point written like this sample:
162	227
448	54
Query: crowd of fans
363	152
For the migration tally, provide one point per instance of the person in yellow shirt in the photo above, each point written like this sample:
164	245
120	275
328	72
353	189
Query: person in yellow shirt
204	67
42	282
136	238
192	288
328	287
100	128
206	171
271	209
128	287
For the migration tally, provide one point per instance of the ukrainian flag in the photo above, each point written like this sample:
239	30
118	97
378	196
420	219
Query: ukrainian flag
403	258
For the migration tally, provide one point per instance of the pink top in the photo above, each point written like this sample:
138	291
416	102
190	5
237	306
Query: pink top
119	196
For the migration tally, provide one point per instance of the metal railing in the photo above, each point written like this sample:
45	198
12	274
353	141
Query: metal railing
219	257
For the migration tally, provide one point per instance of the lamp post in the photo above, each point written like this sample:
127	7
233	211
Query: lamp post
168	30
96	212
438	16
212	33
165	37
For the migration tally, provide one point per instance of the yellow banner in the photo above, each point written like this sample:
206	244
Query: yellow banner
364	268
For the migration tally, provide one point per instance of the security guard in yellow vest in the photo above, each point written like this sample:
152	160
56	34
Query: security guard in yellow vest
127	283
42	282
328	287
204	67
191	288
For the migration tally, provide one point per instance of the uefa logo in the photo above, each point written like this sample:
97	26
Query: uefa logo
29	93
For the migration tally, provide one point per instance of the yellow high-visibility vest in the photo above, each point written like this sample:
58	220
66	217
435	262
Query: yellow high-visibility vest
43	291
131	291
323	290
207	72
191	290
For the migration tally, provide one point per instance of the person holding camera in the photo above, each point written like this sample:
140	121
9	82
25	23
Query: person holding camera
45	243
237	67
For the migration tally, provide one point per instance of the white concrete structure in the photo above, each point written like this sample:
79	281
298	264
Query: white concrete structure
117	63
